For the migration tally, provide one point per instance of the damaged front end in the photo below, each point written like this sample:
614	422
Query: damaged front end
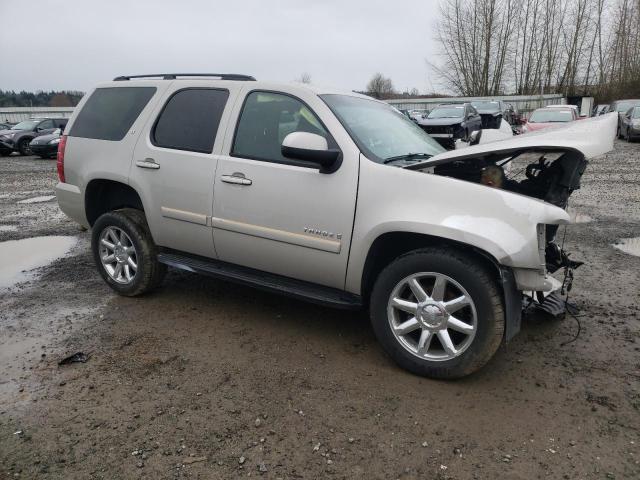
547	173
550	174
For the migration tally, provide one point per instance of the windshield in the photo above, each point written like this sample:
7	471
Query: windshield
447	112
550	115
635	113
26	125
624	106
486	105
379	130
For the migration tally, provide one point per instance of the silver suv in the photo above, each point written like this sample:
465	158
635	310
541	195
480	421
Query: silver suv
324	195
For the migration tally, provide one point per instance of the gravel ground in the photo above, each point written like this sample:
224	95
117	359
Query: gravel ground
205	379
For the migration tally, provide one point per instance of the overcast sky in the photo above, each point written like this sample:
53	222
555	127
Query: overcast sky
73	44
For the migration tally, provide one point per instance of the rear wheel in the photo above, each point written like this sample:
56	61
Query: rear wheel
125	253
437	313
23	146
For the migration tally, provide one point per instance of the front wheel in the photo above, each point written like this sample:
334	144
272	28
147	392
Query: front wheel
23	146
437	313
125	253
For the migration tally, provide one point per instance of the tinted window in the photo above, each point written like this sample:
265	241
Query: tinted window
110	112
266	119
45	125
189	121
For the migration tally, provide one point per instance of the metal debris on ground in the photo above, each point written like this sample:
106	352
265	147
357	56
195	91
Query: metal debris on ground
79	357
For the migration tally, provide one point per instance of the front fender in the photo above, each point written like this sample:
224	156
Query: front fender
499	223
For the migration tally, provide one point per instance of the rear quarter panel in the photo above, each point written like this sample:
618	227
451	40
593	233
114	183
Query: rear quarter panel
87	159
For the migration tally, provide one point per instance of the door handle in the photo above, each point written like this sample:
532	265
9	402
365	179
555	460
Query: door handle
236	179
148	163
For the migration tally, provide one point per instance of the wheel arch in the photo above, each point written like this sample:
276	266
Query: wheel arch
102	195
390	245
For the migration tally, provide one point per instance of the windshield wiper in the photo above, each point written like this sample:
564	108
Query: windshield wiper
407	156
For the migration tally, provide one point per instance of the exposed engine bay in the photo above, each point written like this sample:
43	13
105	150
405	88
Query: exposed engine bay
551	174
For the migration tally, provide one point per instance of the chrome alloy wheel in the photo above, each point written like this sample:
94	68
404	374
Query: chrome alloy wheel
118	255
432	316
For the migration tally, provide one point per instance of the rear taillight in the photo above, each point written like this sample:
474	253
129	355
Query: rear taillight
60	163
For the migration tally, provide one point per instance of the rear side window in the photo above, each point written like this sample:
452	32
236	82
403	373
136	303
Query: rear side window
110	112
190	119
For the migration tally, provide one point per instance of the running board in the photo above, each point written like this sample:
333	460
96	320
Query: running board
262	280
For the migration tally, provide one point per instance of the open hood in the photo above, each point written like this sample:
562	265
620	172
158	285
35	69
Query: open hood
591	137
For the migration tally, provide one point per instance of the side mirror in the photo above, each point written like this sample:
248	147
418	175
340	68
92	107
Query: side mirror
313	148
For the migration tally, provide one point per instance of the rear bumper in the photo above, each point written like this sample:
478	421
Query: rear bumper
71	202
44	150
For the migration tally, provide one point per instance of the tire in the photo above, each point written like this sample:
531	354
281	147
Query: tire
23	146
485	313
148	274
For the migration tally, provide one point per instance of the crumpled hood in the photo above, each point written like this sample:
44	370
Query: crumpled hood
426	122
592	137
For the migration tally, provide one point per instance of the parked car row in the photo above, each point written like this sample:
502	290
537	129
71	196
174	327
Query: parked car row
447	123
21	137
625	109
630	127
550	116
628	117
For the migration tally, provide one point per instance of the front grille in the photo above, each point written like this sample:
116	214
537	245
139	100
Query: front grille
436	128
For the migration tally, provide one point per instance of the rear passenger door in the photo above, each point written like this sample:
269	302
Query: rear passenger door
174	165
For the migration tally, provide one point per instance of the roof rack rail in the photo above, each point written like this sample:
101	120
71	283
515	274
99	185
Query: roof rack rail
173	76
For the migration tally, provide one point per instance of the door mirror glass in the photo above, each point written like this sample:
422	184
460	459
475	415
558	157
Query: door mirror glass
310	147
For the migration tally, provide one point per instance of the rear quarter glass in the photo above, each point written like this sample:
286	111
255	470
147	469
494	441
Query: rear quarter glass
109	113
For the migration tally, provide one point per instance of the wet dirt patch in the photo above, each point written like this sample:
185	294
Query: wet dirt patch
41	199
19	257
629	245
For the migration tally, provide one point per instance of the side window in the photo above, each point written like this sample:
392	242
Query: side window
47	124
109	112
266	119
190	119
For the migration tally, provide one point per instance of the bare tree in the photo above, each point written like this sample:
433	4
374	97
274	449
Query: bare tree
305	77
380	87
533	46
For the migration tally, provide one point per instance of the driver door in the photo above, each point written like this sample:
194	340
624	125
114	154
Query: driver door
280	215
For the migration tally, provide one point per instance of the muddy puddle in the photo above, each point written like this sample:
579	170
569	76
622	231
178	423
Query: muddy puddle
629	245
19	257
